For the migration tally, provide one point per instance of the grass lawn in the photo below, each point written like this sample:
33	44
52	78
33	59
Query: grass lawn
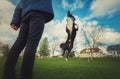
75	68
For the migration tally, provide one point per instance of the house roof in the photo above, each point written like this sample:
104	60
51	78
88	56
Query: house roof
87	50
113	47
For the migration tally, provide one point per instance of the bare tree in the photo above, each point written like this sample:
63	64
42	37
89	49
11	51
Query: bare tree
54	44
93	36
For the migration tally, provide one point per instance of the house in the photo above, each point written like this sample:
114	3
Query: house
96	52
114	50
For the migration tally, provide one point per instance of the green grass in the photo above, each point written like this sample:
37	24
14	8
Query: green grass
75	68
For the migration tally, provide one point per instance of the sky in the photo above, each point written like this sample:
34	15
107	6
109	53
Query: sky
103	13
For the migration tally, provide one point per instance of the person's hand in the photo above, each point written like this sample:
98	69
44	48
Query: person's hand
13	26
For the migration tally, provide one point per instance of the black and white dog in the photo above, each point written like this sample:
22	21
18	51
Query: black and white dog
71	30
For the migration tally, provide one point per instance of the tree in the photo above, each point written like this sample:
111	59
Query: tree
93	36
54	44
44	47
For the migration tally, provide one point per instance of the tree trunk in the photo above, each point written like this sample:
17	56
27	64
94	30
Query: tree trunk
91	58
88	59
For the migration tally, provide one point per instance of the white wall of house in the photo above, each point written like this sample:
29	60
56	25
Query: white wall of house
115	53
84	55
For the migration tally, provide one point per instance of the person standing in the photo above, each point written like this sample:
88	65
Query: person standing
30	16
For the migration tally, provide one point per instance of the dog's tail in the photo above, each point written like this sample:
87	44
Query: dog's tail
62	46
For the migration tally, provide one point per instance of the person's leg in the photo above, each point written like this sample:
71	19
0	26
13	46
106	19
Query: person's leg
36	26
9	67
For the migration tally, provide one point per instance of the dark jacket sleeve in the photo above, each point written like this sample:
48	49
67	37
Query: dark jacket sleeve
17	15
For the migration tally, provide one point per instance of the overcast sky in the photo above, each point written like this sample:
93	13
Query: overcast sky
104	13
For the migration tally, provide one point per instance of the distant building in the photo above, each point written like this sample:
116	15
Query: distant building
87	52
114	50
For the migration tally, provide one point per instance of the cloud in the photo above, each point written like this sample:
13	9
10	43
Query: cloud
55	28
77	4
6	33
101	8
111	36
6	10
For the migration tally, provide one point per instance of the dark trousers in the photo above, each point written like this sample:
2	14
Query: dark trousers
30	33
